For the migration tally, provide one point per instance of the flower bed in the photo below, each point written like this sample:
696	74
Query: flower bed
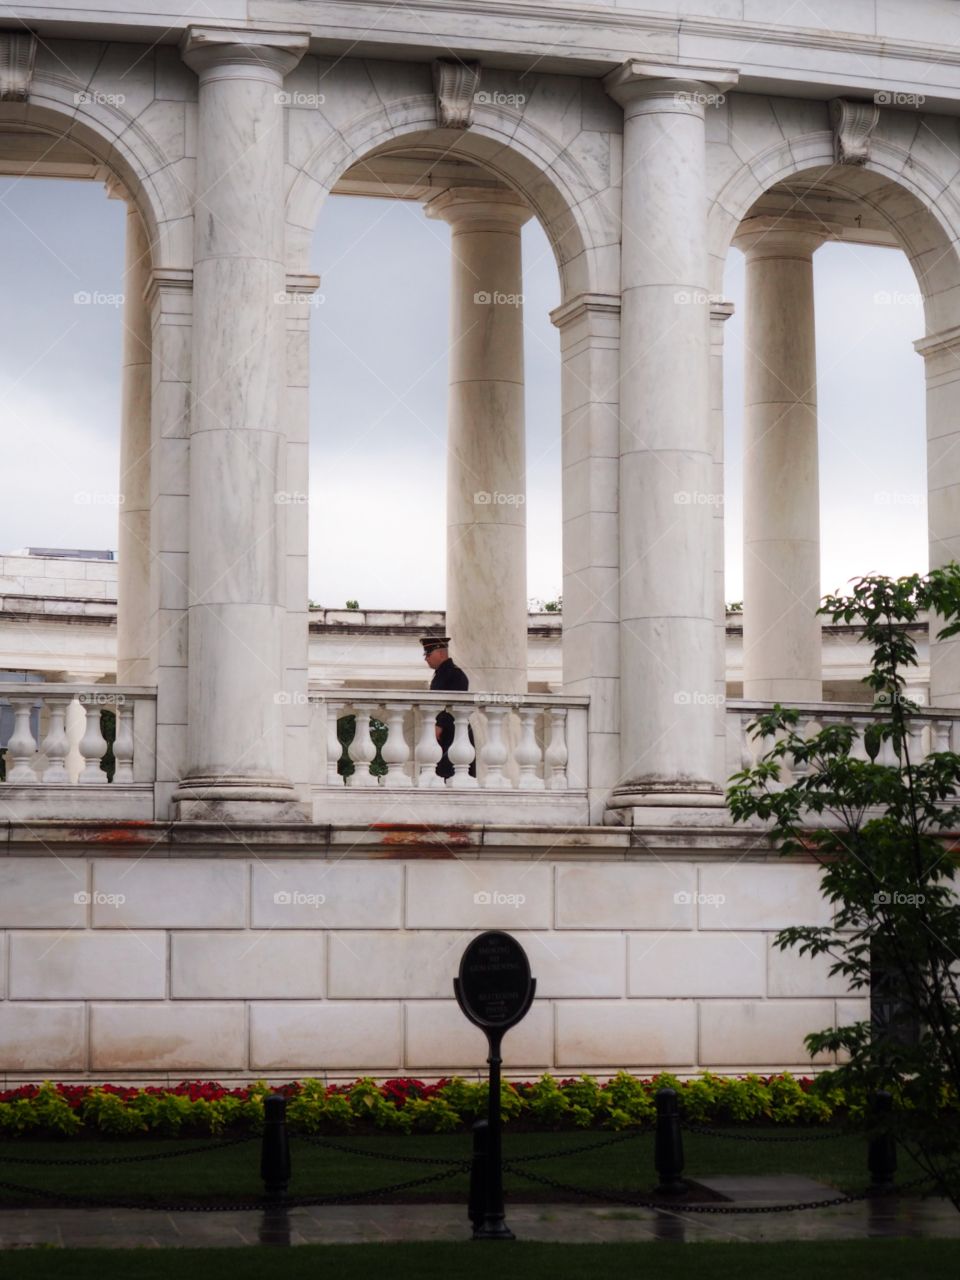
407	1105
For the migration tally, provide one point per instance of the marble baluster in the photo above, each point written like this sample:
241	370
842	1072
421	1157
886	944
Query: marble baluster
56	744
461	752
362	750
494	751
428	750
396	750
123	745
93	745
22	746
527	752
556	754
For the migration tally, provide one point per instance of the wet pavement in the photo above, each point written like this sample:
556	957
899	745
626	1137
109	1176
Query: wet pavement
888	1217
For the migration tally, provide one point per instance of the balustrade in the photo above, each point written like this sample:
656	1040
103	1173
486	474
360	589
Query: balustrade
499	743
48	746
929	730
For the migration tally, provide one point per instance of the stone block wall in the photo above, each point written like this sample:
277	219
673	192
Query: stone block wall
158	967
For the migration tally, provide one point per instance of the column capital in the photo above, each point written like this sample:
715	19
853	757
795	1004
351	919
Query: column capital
584	304
946	342
775	236
641	86
480	209
218	53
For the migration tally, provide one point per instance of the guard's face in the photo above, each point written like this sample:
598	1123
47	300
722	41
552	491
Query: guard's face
435	657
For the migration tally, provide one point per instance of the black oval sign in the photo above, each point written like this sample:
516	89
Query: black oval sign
494	987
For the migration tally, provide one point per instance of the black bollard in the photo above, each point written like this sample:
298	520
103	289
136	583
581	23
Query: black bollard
478	1174
275	1148
882	1147
668	1144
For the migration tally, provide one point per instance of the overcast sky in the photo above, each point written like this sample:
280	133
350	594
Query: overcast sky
378	396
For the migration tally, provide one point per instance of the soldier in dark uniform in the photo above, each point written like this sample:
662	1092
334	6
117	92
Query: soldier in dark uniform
447	676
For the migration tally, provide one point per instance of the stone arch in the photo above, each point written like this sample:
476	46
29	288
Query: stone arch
115	139
581	227
904	184
920	209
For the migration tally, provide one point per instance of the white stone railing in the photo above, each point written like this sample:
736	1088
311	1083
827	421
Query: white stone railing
55	739
931	729
529	749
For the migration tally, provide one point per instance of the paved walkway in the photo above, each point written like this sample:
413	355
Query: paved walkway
357	1224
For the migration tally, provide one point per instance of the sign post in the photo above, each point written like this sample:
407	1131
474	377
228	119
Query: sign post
495	991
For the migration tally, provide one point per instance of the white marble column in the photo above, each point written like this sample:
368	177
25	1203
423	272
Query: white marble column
589	326
236	610
667	475
781	496
941	354
486	464
134	550
720	313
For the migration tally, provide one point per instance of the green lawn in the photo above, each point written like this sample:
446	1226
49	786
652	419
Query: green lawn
851	1259
625	1168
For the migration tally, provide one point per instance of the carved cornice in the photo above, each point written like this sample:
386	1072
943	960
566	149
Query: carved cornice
853	126
455	83
18	53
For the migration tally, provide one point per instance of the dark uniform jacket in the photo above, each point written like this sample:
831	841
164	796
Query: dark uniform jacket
448	677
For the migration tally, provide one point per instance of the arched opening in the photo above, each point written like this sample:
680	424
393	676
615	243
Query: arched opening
379	367
831	454
75	387
479	184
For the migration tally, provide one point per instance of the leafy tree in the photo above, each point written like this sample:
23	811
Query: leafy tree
879	815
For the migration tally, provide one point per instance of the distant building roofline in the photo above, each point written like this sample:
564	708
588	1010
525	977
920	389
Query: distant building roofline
65	553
